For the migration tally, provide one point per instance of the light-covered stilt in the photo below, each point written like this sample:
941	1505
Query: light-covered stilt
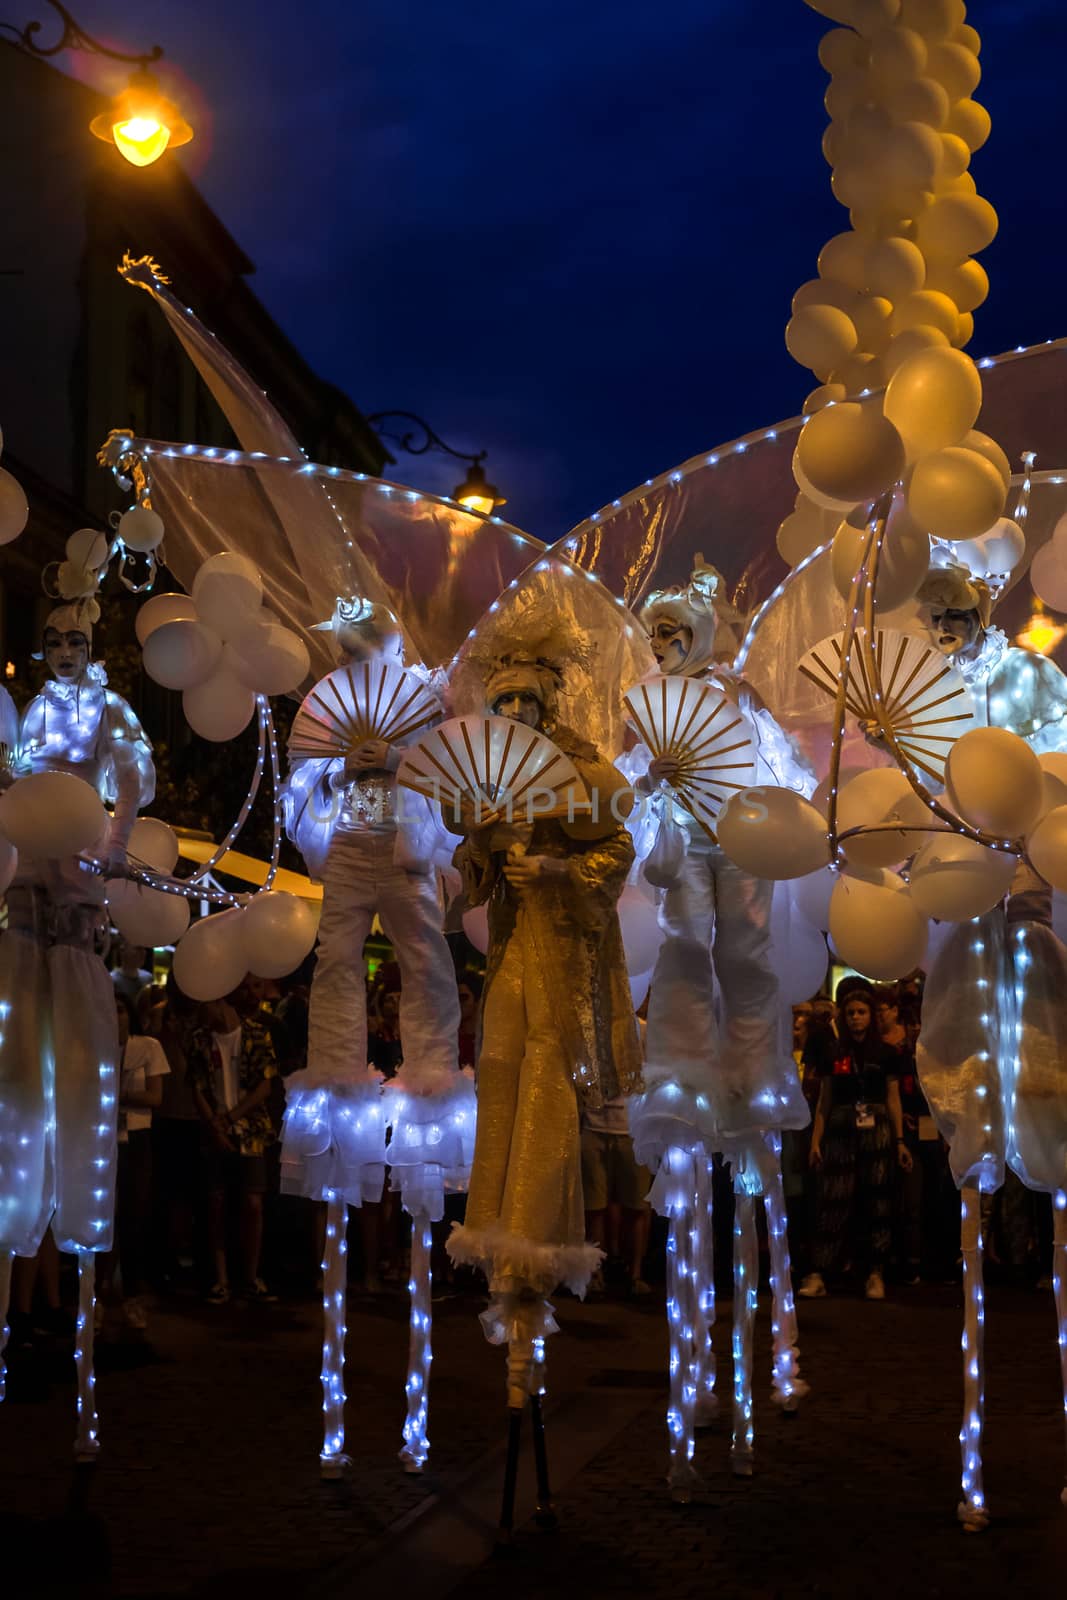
420	1347
707	1401
972	1510
86	1441
788	1388
746	1294
681	1302
332	1459
1059	1287
6	1259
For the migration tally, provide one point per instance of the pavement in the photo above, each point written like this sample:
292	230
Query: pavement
208	1482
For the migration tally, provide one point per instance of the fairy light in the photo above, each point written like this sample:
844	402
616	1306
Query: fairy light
682	1403
707	1401
416	1446
746	1294
973	1512
6	1259
86	1442
788	1386
332	1459
1059	1290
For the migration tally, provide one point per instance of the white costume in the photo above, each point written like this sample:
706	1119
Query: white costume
719	1071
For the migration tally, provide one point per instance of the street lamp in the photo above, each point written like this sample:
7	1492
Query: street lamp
140	121
1041	633
475	492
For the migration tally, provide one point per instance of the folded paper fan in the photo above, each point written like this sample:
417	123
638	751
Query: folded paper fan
365	700
923	697
704	731
498	766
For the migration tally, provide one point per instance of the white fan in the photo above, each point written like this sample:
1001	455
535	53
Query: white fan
923	696
704	731
497	765
366	700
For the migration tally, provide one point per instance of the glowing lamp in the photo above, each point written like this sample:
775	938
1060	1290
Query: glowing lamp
141	122
476	493
1041	632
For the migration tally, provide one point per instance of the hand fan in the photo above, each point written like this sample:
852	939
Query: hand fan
923	696
704	731
497	765
365	700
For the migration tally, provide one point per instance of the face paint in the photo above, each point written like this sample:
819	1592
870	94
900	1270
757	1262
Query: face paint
671	643
67	654
519	706
954	631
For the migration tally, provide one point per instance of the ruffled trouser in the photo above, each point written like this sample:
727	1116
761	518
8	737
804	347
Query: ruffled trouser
992	1054
58	1075
525	1222
705	1081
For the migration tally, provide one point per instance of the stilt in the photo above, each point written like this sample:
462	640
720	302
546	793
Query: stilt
420	1347
787	1385
707	1401
332	1459
546	1513
1059	1286
746	1294
681	1475
6	1259
511	1476
972	1511
86	1442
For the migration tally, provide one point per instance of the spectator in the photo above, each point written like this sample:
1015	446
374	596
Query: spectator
615	1186
470	995
176	1136
130	976
231	1064
144	1067
824	1013
857	1120
385	1049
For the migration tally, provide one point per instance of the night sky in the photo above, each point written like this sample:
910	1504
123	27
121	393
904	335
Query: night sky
566	231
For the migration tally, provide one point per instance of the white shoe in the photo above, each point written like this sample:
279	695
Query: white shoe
875	1289
813	1287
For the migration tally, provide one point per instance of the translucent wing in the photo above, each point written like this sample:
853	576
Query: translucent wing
367	700
924	698
495	764
702	729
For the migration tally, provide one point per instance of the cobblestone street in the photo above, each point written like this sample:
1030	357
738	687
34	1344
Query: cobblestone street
208	1483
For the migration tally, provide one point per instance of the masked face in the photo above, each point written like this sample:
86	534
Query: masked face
520	706
954	631
67	654
671	643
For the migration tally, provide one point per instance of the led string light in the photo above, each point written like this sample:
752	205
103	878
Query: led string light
746	1295
972	1512
707	1401
788	1387
332	1459
86	1443
6	1259
1059	1290
681	1409
416	1447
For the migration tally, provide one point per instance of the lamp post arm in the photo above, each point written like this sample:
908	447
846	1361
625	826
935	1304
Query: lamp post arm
421	438
73	37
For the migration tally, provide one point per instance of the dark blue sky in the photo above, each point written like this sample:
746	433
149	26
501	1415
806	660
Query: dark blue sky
569	230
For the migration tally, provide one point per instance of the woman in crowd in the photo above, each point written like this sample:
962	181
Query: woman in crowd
858	1124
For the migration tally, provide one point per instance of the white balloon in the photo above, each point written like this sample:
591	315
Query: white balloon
1047	848
220	708
876	927
14	507
881	795
954	878
476	928
226	588
821	798
773	833
902	566
641	932
799	955
999	550
154	843
163	608
149	917
52	814
1048	576
181	654
278	930
993	780
210	960
272	660
88	549
811	896
141	528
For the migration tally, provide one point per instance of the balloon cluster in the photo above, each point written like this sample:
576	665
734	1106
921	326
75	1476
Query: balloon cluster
883	325
220	646
14	507
268	937
876	919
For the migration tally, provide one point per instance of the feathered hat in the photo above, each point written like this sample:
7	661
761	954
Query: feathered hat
700	605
